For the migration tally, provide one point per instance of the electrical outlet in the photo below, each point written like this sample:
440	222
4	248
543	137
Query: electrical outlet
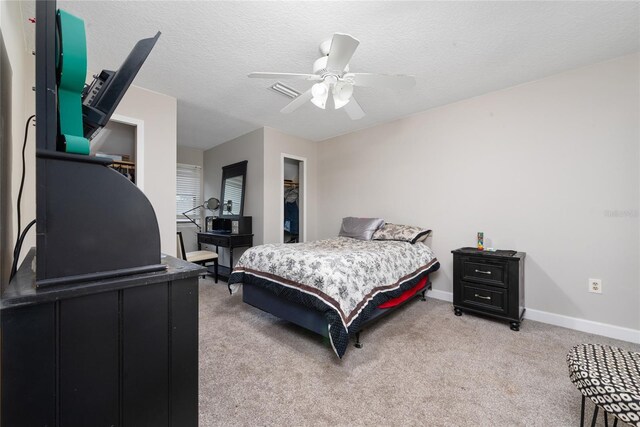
595	286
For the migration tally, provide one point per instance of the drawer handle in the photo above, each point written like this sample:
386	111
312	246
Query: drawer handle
483	297
483	272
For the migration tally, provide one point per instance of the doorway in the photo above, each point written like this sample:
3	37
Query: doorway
122	140
293	203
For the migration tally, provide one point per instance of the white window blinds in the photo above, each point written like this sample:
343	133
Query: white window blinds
189	181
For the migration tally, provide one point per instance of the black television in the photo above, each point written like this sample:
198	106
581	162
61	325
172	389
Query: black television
102	96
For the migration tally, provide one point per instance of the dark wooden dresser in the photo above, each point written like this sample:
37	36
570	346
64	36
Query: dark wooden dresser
114	352
490	283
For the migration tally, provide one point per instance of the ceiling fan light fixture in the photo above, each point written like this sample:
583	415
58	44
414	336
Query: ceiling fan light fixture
342	92
319	90
320	93
339	103
319	102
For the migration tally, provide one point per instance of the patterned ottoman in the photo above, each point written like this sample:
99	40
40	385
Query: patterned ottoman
610	377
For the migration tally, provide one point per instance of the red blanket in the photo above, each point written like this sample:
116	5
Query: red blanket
406	294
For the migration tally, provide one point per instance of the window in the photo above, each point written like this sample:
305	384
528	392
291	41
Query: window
188	184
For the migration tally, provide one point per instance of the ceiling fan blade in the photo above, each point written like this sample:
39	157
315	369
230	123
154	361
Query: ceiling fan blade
353	109
399	81
297	76
298	102
342	49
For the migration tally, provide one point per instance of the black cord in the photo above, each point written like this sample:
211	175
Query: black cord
24	168
20	234
16	252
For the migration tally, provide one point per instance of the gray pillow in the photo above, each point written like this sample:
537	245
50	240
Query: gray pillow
360	228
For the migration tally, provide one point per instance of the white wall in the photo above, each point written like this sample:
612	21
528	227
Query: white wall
291	169
246	147
190	156
22	66
116	138
158	112
550	168
275	144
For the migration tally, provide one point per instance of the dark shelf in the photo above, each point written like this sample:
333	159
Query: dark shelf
22	290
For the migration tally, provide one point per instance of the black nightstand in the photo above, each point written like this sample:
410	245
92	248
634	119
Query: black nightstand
490	283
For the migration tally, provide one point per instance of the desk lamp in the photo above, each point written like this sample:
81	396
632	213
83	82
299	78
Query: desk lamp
212	204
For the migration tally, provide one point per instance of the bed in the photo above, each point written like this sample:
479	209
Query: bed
334	286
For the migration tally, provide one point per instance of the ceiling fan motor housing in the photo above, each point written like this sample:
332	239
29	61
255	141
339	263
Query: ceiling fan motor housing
320	67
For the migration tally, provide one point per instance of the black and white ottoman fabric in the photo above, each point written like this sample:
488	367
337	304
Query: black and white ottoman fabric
610	377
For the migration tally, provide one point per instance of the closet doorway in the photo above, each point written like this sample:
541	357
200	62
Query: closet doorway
293	215
122	140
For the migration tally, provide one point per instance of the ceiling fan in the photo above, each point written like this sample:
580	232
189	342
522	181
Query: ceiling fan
332	77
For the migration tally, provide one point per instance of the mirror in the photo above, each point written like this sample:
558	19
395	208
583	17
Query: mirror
232	195
232	191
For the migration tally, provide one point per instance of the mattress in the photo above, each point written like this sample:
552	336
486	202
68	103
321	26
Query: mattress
342	277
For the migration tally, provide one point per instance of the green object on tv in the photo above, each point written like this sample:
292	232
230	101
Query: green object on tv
76	144
71	64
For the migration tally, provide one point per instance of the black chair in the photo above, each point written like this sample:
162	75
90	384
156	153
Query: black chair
198	257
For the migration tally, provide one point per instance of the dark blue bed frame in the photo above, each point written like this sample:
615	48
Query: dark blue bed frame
308	317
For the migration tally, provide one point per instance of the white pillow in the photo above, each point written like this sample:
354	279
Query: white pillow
403	233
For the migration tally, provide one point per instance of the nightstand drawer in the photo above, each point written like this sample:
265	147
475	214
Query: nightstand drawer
489	299
480	270
214	240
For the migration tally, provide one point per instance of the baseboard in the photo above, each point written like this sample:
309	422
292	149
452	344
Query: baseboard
583	325
441	295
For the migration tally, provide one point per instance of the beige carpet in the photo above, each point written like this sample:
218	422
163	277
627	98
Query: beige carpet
419	366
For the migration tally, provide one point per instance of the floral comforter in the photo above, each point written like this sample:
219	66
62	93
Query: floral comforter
343	277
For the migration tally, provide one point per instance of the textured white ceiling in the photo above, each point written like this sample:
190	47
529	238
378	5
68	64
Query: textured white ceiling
455	49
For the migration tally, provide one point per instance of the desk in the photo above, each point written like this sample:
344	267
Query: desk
225	240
